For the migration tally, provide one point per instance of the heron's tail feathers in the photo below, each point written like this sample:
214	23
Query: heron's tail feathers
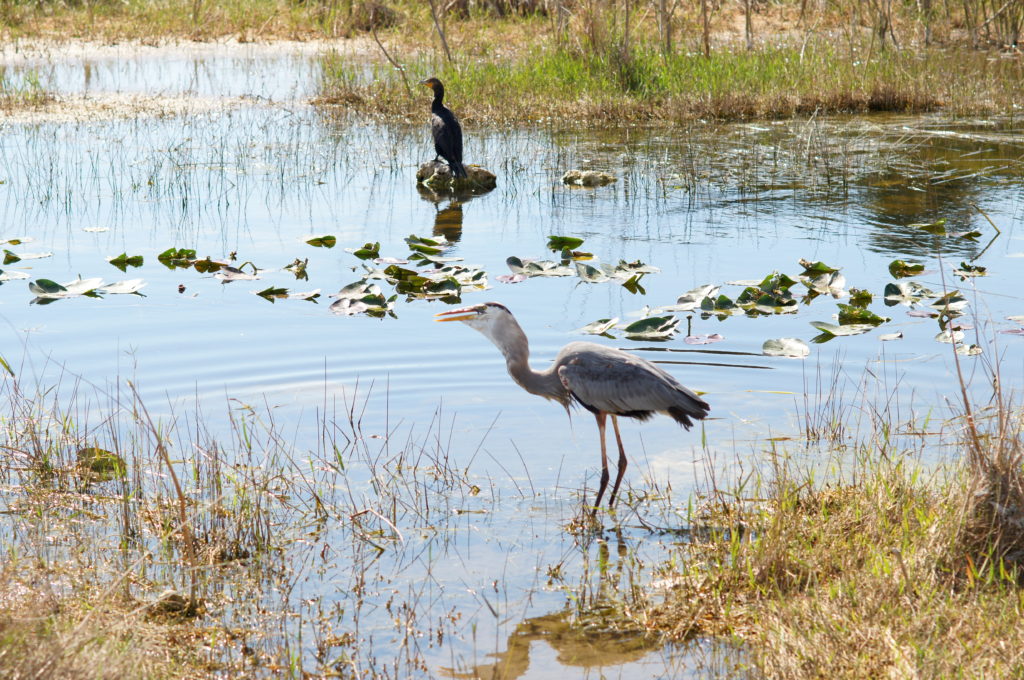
692	407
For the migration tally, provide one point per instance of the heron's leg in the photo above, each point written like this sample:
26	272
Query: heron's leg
601	416
622	461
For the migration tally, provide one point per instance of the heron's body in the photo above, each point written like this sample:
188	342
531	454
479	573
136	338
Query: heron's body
604	380
446	130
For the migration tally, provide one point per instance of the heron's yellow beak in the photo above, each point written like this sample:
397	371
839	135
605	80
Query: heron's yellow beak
457	314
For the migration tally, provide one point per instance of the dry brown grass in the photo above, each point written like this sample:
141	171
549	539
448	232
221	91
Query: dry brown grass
895	574
52	626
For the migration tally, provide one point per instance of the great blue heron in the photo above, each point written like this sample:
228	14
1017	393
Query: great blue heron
446	129
604	380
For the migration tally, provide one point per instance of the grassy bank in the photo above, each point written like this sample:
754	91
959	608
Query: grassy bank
879	569
603	61
643	85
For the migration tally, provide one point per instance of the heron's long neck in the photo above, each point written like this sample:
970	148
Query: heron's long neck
514	345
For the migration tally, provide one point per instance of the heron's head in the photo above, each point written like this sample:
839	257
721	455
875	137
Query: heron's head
490	318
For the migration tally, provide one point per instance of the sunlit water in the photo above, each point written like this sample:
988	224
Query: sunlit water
704	203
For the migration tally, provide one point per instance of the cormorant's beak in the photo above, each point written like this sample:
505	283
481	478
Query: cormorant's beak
461	314
427	83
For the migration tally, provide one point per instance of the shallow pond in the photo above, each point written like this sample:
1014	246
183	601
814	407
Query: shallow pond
490	573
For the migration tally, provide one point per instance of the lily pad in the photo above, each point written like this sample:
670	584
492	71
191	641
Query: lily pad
590	274
8	275
842	330
816	268
937	227
952	302
362	297
599	327
901	269
369	251
652	328
298	268
325	241
860	298
633	285
229	274
559	243
905	293
968	350
11	257
691	299
123	261
785	347
891	336
537	267
127	287
966	270
177	257
848	314
949	336
47	289
829	283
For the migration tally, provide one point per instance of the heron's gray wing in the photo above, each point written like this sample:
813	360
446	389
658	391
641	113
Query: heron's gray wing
616	382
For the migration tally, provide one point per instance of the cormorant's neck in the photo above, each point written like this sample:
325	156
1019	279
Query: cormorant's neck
438	98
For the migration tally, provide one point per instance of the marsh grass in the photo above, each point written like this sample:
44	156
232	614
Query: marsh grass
24	90
125	575
879	566
576	85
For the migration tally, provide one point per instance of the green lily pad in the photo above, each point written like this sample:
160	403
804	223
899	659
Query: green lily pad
559	243
901	269
369	251
123	261
860	298
633	285
937	227
325	241
849	314
652	328
816	268
272	293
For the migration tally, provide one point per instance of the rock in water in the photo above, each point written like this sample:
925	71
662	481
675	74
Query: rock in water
437	175
587	178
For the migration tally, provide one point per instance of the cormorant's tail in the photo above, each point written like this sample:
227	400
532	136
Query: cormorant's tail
458	169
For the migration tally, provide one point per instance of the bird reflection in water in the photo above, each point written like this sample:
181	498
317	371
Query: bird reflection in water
590	635
447	220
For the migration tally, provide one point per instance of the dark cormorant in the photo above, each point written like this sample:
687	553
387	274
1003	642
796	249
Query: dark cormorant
446	129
